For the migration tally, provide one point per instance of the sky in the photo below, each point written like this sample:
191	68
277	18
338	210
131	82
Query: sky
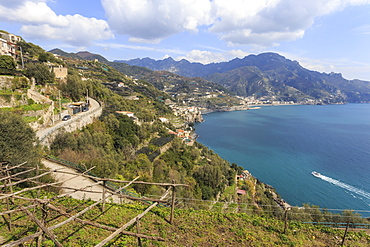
322	35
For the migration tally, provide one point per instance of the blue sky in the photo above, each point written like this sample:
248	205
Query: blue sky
322	35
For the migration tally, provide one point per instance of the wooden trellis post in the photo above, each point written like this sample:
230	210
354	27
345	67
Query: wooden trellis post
43	221
173	202
138	232
44	204
345	234
37	179
132	221
103	195
286	219
43	227
8	181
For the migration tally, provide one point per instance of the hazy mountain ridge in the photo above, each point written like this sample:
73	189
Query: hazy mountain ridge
270	76
161	79
85	55
267	76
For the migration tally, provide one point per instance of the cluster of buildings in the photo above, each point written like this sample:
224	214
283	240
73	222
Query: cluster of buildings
8	44
189	114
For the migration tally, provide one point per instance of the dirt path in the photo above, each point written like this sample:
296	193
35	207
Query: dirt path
78	183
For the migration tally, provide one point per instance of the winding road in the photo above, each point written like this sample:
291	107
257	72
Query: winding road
79	182
94	106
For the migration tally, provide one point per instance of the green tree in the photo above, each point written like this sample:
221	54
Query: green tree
43	57
40	72
32	49
48	57
75	88
17	141
19	82
7	62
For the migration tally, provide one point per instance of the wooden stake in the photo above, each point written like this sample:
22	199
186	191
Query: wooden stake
132	221
37	179
43	221
138	232
172	202
345	234
43	227
285	220
8	181
103	196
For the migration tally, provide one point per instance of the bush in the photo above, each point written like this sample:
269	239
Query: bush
7	62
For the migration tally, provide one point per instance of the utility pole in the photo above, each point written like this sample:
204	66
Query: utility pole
20	48
60	107
87	97
52	112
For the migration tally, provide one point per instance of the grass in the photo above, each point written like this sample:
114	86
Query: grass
30	119
25	108
190	228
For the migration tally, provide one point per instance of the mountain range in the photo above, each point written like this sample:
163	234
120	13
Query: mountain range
267	76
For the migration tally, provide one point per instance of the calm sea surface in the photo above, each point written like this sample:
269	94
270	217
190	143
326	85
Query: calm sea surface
282	145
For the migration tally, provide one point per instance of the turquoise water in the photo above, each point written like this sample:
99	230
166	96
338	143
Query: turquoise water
282	145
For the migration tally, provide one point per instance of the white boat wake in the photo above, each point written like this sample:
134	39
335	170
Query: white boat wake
345	186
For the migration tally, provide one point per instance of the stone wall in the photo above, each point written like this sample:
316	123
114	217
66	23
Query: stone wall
77	122
6	82
37	97
60	72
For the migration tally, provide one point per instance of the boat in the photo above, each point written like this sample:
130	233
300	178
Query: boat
316	174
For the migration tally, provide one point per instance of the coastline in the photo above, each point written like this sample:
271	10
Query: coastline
205	111
276	196
305	187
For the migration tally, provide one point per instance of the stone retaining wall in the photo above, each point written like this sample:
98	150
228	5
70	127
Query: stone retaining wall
6	81
77	122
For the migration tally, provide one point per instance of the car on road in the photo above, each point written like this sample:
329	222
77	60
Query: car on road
66	117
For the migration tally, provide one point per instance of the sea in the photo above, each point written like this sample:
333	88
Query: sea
282	145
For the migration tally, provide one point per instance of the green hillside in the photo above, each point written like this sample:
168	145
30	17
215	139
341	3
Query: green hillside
190	228
125	146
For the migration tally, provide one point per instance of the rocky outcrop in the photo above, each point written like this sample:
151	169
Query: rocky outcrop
6	81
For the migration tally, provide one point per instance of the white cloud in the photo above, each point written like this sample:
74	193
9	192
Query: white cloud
267	22
12	3
270	21
39	21
78	31
140	47
206	57
32	12
156	19
236	22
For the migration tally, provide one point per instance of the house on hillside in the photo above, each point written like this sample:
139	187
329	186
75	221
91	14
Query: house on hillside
3	47
10	37
7	48
163	119
127	113
60	72
130	115
180	133
241	192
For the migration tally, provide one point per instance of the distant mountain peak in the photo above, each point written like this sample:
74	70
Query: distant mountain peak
169	59
85	55
269	75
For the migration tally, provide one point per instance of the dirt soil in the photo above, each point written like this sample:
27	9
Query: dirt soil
78	182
